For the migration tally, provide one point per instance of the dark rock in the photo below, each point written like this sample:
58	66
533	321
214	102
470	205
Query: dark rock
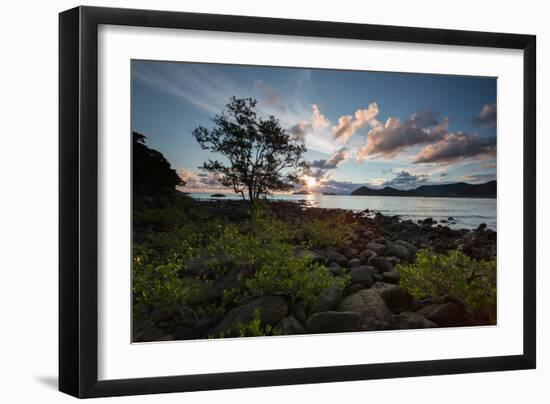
396	298
333	321
392	276
377	277
409	246
229	281
481	228
327	300
445	314
289	326
272	310
408	320
368	234
375	314
159	316
299	311
398	250
451	219
381	263
336	269
184	333
337	258
378	248
354	262
366	255
362	275
354	288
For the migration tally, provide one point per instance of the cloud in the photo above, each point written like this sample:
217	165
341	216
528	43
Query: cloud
299	130
348	124
396	136
406	180
458	146
269	95
318	120
200	181
478	178
491	164
487	117
333	162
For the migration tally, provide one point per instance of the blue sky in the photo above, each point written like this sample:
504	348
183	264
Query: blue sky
360	128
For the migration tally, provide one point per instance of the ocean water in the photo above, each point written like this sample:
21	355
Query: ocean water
467	212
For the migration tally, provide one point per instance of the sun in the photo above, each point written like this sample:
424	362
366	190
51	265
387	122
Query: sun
310	182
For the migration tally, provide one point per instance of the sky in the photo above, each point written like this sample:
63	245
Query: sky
359	127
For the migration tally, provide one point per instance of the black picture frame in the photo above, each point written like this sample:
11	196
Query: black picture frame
78	203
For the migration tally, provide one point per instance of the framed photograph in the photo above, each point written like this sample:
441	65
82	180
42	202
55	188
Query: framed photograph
251	201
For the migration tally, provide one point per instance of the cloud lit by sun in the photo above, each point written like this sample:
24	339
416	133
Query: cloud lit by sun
310	182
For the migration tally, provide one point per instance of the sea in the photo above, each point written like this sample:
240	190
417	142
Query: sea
468	213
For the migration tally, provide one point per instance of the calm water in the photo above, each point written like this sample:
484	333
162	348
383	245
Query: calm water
467	212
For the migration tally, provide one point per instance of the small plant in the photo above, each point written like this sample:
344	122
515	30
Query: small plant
453	274
328	232
254	327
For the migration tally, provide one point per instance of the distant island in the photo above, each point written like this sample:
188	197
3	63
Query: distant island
329	193
302	192
455	190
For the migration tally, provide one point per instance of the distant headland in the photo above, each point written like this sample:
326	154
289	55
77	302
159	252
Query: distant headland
455	190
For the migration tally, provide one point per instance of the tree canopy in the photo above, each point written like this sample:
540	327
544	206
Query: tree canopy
262	156
152	173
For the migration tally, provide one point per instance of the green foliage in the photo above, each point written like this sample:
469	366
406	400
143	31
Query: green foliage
454	274
264	244
328	232
156	284
254	327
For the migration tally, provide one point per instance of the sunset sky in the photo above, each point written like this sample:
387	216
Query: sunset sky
360	128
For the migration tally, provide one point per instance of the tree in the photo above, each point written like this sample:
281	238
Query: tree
261	154
152	173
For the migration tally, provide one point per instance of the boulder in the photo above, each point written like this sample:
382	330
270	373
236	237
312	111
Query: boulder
229	281
354	288
289	326
366	255
408	320
354	262
382	264
272	310
368	234
375	314
378	248
298	310
392	276
398	250
327	300
336	270
397	299
445	314
333	321
334	257
362	275
409	246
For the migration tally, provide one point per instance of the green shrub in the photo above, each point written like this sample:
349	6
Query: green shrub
254	327
454	274
328	232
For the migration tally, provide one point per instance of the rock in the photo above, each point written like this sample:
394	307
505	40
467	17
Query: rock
354	288
354	262
368	234
399	251
316	256
409	246
299	311
333	321
393	260
272	310
289	326
397	299
381	263
351	252
378	248
428	221
375	314
392	276
337	258
336	269
408	320
444	314
481	228
362	275
159	316
366	255
327	300
184	333
377	277
451	219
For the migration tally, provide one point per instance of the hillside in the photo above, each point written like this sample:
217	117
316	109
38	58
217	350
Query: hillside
455	190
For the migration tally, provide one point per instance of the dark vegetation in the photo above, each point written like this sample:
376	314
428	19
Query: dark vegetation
456	190
223	268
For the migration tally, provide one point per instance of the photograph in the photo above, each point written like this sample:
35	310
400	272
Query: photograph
275	201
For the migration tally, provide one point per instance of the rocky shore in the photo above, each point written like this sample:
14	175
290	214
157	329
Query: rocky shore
371	300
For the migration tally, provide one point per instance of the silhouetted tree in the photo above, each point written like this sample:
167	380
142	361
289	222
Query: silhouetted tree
259	150
152	173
